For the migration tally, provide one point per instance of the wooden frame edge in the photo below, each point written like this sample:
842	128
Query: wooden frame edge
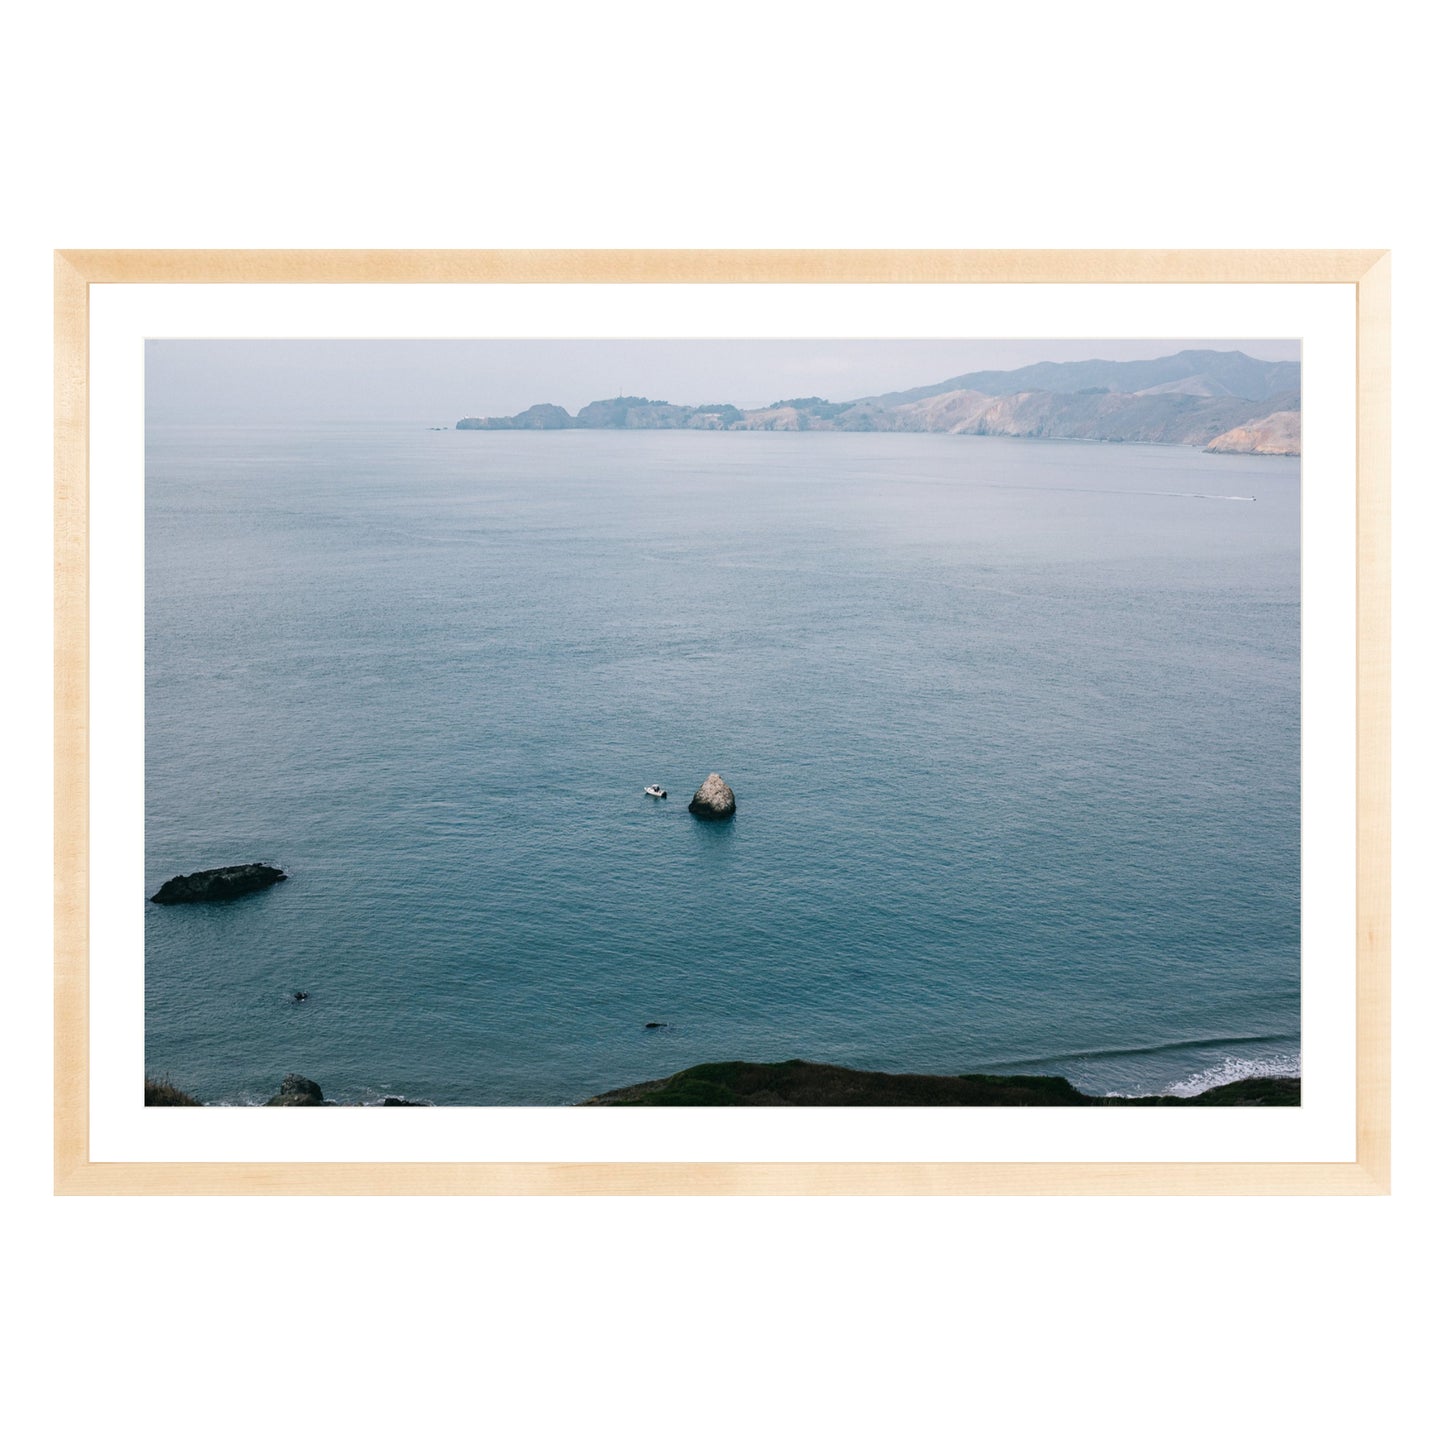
738	1179
72	724
76	270
1372	722
357	267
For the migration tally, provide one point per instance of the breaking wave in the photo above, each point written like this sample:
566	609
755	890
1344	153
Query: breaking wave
1231	1069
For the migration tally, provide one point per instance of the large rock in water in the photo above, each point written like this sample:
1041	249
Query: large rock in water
714	799
213	884
296	1091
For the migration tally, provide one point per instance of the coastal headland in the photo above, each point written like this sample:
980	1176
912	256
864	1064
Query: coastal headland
1223	401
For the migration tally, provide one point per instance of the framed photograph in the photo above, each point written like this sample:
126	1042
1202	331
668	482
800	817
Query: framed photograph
722	722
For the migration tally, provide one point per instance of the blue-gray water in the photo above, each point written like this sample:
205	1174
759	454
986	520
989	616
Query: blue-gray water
1013	727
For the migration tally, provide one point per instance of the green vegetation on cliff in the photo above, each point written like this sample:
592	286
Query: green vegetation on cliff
161	1093
797	1084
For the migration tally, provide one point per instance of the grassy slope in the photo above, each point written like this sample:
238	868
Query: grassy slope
161	1093
799	1084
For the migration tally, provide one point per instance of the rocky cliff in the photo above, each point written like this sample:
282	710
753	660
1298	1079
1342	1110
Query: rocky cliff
1276	435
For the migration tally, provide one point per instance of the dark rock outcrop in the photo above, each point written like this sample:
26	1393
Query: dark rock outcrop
395	1101
713	800
214	885
296	1092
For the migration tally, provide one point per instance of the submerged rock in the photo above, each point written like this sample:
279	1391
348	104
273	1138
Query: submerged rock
296	1091
212	885
714	799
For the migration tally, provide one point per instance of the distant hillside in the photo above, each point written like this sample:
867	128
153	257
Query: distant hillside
1174	417
1224	373
1223	401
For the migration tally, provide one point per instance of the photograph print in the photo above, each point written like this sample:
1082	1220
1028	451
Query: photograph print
722	723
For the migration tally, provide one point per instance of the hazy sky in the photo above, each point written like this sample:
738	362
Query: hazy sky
438	382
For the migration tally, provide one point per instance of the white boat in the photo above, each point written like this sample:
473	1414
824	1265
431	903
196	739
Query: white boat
653	791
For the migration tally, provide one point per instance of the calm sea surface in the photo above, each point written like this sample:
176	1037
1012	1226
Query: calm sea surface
1013	727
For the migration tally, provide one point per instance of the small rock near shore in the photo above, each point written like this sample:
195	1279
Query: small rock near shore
713	800
296	1092
212	885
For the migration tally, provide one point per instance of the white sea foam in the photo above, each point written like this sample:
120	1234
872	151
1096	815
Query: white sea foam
1231	1069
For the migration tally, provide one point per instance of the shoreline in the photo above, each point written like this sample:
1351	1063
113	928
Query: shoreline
798	1083
1204	448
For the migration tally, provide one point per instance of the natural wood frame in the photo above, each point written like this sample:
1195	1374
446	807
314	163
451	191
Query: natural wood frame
76	271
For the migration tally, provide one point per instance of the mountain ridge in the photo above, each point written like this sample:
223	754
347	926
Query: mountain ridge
1238	374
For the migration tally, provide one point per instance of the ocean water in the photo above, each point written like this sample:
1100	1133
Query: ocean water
1013	727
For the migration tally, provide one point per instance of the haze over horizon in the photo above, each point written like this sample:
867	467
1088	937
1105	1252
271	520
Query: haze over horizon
435	382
